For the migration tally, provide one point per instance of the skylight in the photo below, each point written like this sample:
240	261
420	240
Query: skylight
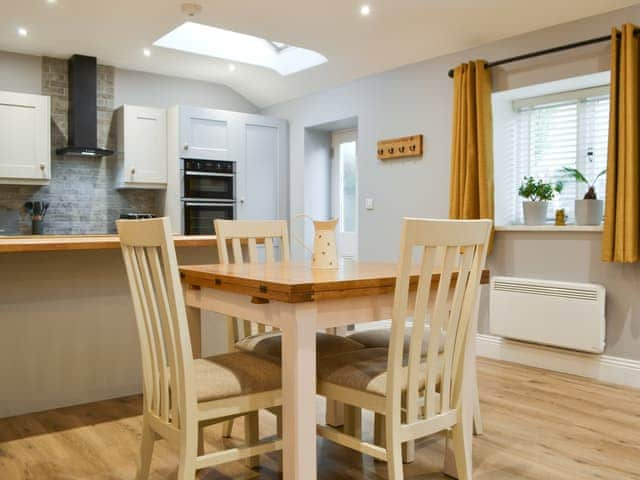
239	47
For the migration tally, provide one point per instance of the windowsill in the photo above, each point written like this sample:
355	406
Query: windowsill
549	228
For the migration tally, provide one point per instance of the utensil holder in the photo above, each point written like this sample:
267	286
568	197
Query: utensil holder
37	226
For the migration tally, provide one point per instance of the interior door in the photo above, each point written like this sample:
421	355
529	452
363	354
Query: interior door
344	191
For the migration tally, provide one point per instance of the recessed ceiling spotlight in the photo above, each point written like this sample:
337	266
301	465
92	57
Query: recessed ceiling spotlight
52	2
23	32
146	52
232	67
365	10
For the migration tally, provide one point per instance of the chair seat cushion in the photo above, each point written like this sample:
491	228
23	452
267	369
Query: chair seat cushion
234	374
271	344
364	370
380	337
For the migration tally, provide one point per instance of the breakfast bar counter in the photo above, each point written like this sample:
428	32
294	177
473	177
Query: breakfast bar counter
49	243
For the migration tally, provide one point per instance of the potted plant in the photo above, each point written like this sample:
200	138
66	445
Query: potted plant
588	210
537	194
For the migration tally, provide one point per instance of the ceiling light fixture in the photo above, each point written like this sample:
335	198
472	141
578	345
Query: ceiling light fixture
232	67
23	32
146	52
52	2
365	10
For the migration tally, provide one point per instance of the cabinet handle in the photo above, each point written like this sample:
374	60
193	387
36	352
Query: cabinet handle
186	146
42	167
242	201
133	170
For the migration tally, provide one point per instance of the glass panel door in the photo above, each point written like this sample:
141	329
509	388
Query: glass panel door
345	191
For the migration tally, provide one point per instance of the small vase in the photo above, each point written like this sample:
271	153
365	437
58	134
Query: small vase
37	226
589	212
535	213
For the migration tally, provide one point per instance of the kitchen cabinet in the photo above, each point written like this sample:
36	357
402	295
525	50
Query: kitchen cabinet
204	133
257	144
25	139
142	147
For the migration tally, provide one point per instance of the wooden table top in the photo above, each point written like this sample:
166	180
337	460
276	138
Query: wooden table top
298	282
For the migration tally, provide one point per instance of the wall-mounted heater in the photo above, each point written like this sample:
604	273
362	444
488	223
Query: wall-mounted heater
559	314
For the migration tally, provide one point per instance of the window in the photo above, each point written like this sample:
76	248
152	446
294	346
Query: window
217	42
568	129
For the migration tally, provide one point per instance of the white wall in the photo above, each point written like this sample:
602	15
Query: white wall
317	179
20	73
151	90
417	99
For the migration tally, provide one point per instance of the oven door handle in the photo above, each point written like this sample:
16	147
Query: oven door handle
208	174
207	204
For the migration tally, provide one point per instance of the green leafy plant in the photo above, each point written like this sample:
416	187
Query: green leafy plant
539	190
579	177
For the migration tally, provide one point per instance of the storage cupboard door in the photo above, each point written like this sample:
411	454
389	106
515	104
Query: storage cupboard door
262	169
204	133
25	137
145	145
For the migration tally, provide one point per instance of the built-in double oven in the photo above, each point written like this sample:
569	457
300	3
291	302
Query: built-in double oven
208	193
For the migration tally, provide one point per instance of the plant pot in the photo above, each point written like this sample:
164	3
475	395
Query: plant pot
589	212
535	213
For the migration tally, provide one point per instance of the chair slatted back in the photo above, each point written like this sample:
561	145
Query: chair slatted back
154	280
235	234
456	249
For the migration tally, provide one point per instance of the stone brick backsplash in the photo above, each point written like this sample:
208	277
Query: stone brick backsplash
81	193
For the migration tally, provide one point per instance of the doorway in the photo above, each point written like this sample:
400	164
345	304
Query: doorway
344	190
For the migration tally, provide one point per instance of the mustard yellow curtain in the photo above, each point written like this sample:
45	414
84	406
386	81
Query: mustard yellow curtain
620	240
471	191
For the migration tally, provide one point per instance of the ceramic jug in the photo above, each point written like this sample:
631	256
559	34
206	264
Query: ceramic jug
324	254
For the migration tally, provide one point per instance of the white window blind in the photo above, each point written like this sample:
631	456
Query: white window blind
562	130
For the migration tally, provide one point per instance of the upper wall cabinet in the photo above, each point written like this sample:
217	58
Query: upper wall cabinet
25	139
204	133
142	147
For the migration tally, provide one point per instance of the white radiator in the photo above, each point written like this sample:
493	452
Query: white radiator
560	314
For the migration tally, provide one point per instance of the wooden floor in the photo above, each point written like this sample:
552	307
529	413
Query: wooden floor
539	425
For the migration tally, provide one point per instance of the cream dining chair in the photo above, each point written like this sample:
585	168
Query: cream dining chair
181	394
418	395
240	237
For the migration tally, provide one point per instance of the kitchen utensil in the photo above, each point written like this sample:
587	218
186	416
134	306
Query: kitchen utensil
324	254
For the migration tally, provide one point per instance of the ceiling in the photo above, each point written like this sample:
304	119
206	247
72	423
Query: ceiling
398	32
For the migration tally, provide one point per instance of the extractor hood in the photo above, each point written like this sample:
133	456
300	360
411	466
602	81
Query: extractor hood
83	109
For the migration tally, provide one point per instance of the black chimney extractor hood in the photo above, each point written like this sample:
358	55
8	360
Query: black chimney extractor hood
83	110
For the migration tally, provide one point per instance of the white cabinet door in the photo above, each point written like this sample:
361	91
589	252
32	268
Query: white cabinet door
204	133
25	138
145	146
262	170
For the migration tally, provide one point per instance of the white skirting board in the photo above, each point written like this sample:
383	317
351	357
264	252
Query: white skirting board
616	370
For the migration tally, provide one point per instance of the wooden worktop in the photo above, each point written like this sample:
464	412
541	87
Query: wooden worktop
50	243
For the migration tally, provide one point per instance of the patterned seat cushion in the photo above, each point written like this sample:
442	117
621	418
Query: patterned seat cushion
271	344
380	337
233	374
364	370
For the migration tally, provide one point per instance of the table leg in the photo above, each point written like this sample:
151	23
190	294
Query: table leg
298	324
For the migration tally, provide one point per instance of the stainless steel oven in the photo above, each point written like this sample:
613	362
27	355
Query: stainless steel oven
208	193
199	216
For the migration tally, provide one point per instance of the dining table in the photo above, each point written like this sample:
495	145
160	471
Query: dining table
300	300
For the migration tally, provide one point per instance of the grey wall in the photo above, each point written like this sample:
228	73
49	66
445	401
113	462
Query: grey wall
20	73
317	180
417	99
148	89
